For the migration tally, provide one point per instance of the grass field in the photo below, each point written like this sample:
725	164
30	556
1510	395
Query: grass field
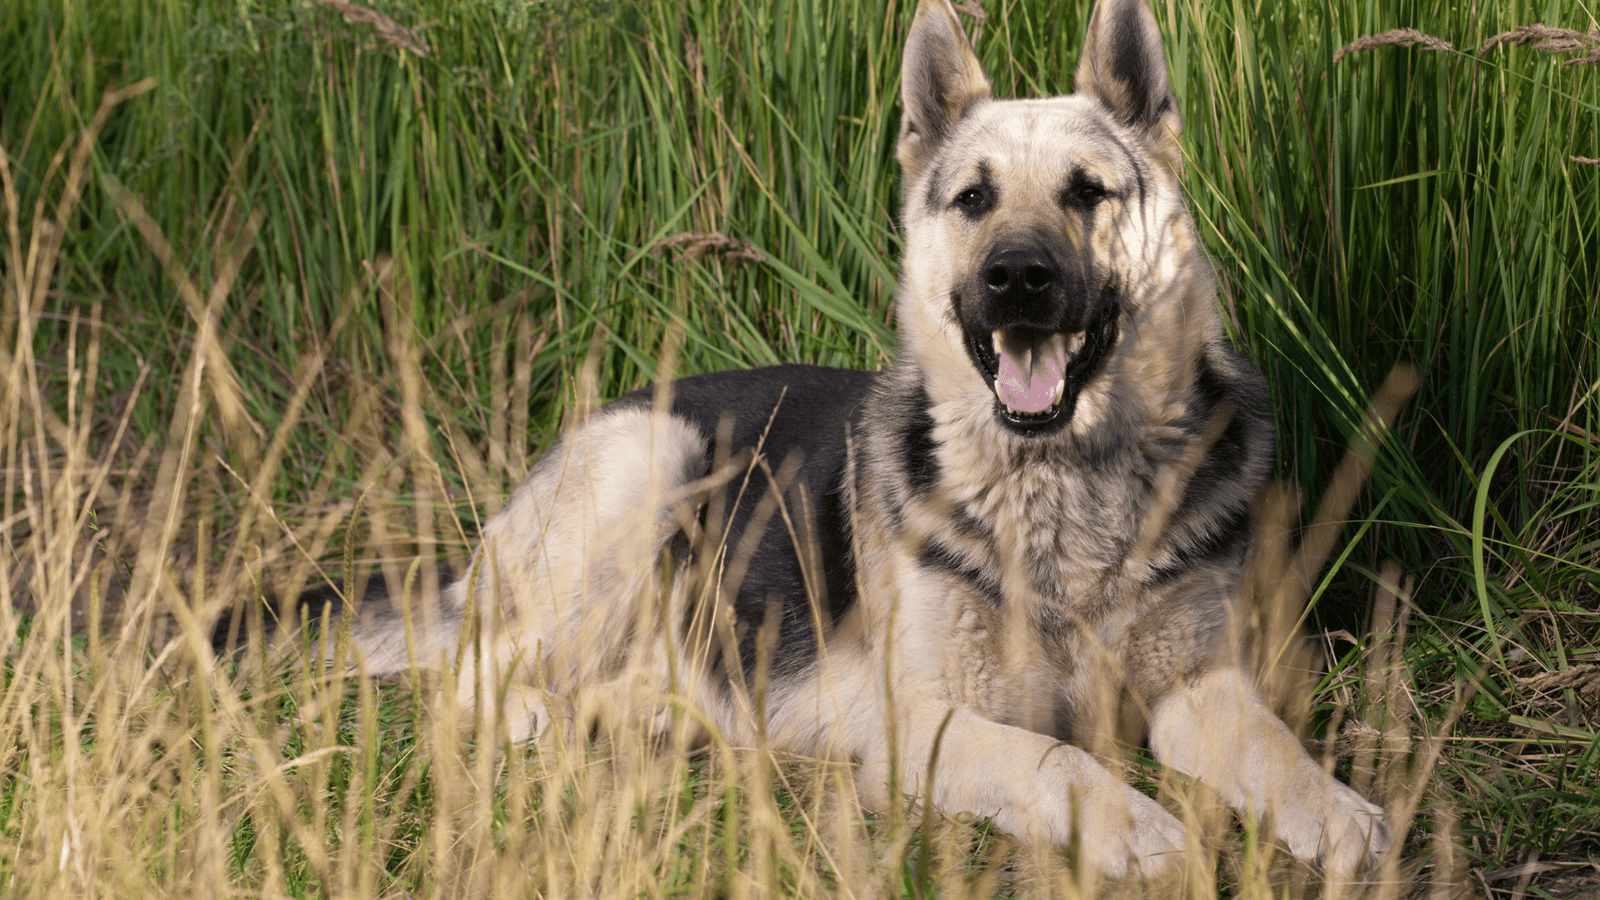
291	287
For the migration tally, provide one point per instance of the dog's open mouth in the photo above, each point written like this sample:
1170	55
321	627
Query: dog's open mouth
1035	374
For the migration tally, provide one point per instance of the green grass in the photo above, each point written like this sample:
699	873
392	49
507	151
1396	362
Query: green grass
299	266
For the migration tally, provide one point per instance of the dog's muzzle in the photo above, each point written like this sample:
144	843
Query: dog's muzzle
1037	336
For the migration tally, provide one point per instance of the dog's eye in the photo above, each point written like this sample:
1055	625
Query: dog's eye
973	198
1088	194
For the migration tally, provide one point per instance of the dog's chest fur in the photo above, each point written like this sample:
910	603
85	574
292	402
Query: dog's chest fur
1041	540
1060	525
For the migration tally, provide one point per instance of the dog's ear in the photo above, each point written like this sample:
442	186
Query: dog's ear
1123	66
940	80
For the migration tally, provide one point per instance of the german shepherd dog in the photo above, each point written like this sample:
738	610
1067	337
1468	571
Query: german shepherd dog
1032	524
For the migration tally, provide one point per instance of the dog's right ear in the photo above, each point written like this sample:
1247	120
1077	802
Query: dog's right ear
940	80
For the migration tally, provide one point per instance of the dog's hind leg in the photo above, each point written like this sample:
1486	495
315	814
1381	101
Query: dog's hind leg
568	582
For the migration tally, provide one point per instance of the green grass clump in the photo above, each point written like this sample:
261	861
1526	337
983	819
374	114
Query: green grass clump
285	279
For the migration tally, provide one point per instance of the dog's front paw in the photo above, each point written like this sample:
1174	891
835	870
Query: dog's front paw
1077	805
1155	838
1122	833
1335	825
1355	833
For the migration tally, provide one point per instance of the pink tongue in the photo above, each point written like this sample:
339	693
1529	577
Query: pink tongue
1029	372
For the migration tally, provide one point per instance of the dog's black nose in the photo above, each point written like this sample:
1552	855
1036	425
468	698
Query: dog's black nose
1018	274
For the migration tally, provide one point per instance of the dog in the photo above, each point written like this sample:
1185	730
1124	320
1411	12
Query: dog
1030	527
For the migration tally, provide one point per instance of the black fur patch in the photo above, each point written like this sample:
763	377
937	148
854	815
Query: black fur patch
1054	625
1215	506
1227	541
938	557
311	605
791	412
918	448
934	198
1227	459
1209	385
972	528
1134	164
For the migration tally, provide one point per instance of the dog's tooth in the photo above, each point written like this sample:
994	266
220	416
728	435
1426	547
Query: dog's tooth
1006	406
1059	392
1075	343
996	338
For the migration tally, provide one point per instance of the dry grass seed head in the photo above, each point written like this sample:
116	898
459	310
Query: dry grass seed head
1550	39
388	30
696	244
1394	37
1546	38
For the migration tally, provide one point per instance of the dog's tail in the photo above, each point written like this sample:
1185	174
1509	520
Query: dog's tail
383	616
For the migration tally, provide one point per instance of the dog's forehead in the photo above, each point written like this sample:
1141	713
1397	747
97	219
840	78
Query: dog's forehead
1048	138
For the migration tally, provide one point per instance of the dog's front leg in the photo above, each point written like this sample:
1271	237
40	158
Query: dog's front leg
1029	785
1217	728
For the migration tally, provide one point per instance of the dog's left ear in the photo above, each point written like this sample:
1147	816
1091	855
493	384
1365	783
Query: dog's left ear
1124	67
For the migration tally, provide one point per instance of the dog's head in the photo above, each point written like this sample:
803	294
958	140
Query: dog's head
1045	237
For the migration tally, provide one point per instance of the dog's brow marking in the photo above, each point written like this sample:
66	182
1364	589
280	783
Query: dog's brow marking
985	183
